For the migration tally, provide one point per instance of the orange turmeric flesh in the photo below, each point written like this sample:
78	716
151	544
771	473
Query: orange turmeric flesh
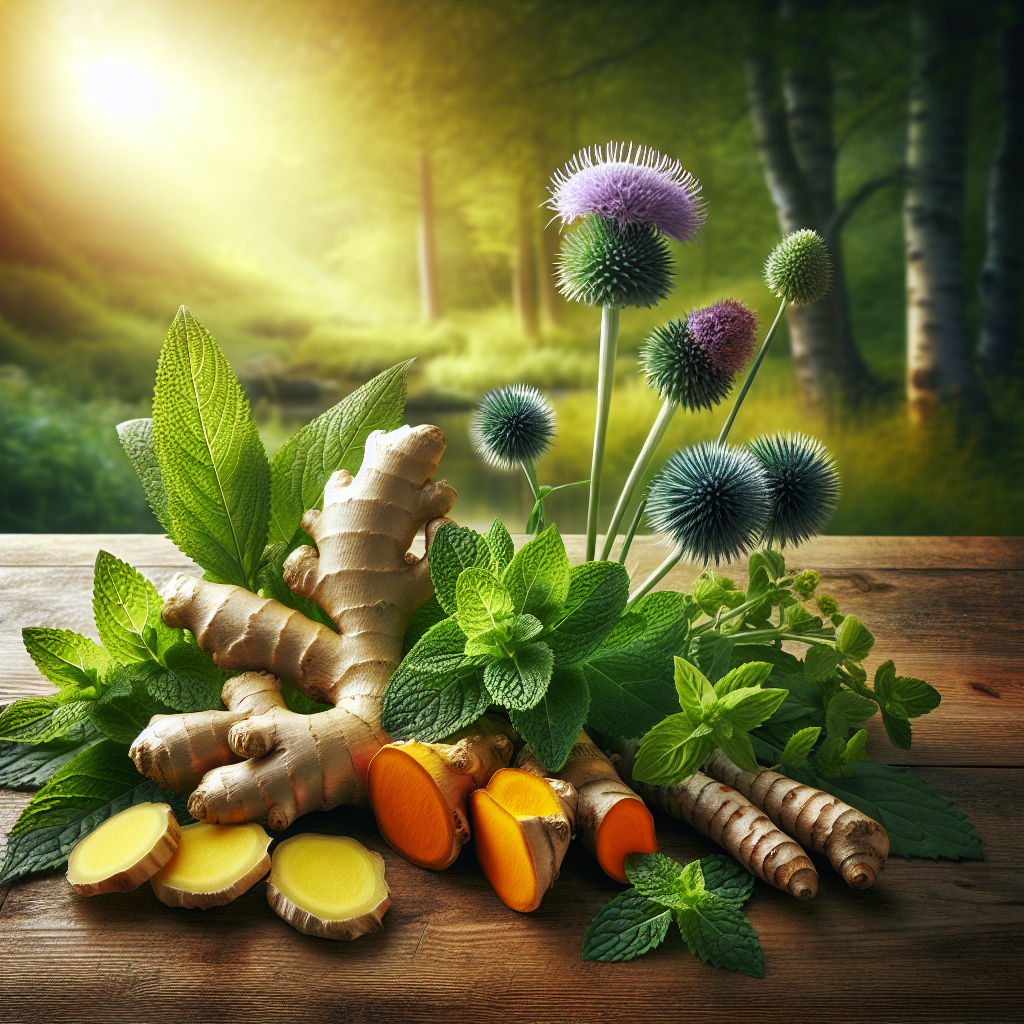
627	828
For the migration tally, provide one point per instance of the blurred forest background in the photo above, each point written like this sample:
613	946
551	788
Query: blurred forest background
336	185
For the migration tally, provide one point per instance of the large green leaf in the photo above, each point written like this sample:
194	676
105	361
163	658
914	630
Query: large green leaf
69	660
629	692
625	927
42	719
552	726
720	934
598	591
483	602
127	706
519	682
453	550
28	766
538	576
211	457
127	609
137	440
334	440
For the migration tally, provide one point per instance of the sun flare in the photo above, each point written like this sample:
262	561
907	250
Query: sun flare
121	88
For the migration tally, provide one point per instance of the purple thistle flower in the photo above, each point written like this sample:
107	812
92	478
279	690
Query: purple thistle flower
725	331
629	186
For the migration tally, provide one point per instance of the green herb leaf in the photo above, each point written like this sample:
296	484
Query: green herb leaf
904	696
552	726
799	745
720	934
672	750
712	592
626	927
211	457
773	562
427	615
656	625
538	576
820	662
629	692
691	686
799	620
26	766
482	601
898	730
499	542
126	707
726	878
136	438
42	719
749	674
847	709
853	639
453	550
736	746
598	591
506	638
335	440
518	683
665	880
127	609
747	708
69	660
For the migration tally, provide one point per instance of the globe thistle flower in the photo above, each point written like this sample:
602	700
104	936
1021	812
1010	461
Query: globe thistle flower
629	186
726	331
512	426
803	486
602	264
799	268
711	500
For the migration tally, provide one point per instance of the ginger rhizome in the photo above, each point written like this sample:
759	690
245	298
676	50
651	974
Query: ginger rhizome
418	792
362	574
856	845
213	865
125	850
329	886
611	820
522	824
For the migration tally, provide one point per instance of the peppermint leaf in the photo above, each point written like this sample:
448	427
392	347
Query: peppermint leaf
712	592
799	745
552	726
691	686
749	674
898	730
853	639
721	935
747	708
126	707
847	709
136	438
665	880
629	693
820	662
69	660
726	878
127	610
656	625
26	766
737	747
626	927
712	653
453	550
427	615
598	592
538	576
482	602
518	683
673	750
43	719
499	542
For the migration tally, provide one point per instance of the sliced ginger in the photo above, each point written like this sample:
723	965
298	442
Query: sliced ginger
125	850
522	831
329	886
213	865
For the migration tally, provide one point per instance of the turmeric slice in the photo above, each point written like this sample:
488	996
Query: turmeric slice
418	792
522	831
611	820
125	850
213	865
329	886
856	845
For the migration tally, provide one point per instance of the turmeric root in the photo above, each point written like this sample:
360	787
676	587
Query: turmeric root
362	574
418	792
521	833
329	886
125	850
732	821
611	819
213	865
856	845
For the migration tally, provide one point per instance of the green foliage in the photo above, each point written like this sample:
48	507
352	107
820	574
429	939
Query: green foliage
454	549
127	704
68	660
598	592
538	576
27	766
626	927
136	438
553	724
518	682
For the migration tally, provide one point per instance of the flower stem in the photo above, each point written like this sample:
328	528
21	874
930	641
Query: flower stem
668	410
753	372
538	508
605	379
631	532
663	570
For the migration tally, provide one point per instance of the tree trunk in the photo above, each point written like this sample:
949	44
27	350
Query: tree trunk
524	265
1004	223
938	365
430	296
547	252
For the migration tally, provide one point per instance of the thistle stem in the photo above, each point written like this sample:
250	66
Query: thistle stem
654	438
660	573
753	373
605	379
531	478
631	532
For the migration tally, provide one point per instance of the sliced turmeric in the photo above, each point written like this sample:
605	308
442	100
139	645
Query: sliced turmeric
418	792
856	845
213	865
329	886
125	850
521	827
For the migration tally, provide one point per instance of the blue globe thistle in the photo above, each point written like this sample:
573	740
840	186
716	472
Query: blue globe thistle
799	268
803	486
512	426
603	264
681	370
711	500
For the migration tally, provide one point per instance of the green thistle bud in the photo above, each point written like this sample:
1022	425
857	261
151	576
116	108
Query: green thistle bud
799	268
828	606
806	583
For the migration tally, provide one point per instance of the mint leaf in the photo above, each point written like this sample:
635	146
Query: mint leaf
747	708
519	682
799	746
538	576
726	878
127	609
847	709
720	934
904	696
673	750
499	542
712	592
427	615
136	438
737	747
712	653
799	620
482	602
626	927
820	662
42	719
210	455
691	686
774	563
749	674
629	693
24	766
656	625
553	725
69	660
898	730
665	880
853	639
506	638
598	591
127	706
453	550
335	440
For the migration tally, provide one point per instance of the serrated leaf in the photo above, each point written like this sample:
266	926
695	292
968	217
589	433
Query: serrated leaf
847	709
499	542
453	550
482	602
335	440
737	747
898	730
670	751
799	745
538	576
506	638
598	591
210	455
626	927
629	693
721	935
904	696
820	662
749	674
747	708
665	880
427	615
126	707
127	609
24	766
552	726
69	660
656	625
42	719
518	683
726	878
712	653
692	688
136	438
853	639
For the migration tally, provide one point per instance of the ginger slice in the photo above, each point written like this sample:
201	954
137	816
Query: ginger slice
521	831
213	865
125	850
329	886
418	792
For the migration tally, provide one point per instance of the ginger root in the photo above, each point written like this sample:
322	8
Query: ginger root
418	792
856	845
611	819
522	829
362	574
128	848
213	865
329	886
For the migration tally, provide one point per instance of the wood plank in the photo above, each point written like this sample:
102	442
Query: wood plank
930	942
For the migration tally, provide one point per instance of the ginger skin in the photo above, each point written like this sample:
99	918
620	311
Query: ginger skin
362	574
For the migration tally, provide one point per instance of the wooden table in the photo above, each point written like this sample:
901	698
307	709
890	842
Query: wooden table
930	942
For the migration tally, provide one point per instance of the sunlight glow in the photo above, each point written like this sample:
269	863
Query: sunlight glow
121	88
